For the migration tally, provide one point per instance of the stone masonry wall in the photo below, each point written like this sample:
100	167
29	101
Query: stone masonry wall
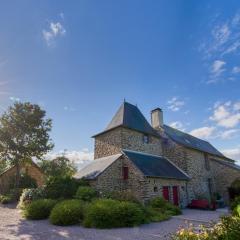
108	143
112	142
133	140
150	183
223	177
142	187
193	163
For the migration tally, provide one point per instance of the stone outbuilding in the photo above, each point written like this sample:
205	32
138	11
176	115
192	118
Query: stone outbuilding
30	169
156	160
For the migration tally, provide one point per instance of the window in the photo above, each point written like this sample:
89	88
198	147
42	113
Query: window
155	189
145	139
125	173
206	158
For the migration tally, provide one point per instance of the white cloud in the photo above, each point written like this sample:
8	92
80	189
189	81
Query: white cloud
228	134
81	158
55	30
69	108
236	69
216	71
233	153
203	132
14	99
177	125
175	104
226	115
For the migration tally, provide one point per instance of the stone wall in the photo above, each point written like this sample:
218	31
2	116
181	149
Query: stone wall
108	143
31	169
142	187
159	183
113	141
223	176
193	163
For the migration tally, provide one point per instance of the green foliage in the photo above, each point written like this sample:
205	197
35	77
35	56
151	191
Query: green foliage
154	215
61	187
24	134
164	206
68	212
58	167
39	209
5	199
236	211
3	165
123	196
235	203
227	229
108	213
86	193
29	195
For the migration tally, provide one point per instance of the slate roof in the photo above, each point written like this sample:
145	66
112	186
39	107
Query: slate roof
155	166
130	116
191	141
227	163
96	167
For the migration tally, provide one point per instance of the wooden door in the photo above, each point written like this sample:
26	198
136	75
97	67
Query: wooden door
166	193
175	196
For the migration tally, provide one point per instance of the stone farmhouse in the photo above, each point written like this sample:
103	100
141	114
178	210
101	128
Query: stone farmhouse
156	160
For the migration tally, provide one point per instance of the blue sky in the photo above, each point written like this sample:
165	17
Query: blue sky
80	59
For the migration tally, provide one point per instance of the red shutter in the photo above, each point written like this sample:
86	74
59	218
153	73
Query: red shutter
166	193
125	173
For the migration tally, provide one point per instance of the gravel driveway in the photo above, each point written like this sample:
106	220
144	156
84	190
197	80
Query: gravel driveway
14	227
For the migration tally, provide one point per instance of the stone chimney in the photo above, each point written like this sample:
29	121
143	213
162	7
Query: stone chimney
157	118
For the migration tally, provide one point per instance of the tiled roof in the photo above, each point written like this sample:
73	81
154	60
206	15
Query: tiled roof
155	166
191	141
130	116
96	167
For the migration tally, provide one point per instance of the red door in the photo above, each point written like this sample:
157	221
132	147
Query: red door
175	196
166	193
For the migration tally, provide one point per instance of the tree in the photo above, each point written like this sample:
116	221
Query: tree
59	167
24	135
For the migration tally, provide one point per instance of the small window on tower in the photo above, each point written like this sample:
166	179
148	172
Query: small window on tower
145	139
125	173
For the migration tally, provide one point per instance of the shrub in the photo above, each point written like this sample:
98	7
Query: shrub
236	211
153	215
5	199
108	213
164	206
39	209
86	193
57	187
29	195
68	212
227	229
123	196
235	202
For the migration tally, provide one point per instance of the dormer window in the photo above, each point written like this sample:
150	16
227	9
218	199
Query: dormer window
145	139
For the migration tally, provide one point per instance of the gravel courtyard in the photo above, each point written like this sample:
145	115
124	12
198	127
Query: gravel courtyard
14	227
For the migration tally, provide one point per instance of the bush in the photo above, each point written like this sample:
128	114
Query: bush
234	203
29	195
5	199
86	193
68	212
108	213
164	206
57	187
123	196
39	209
153	215
227	229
